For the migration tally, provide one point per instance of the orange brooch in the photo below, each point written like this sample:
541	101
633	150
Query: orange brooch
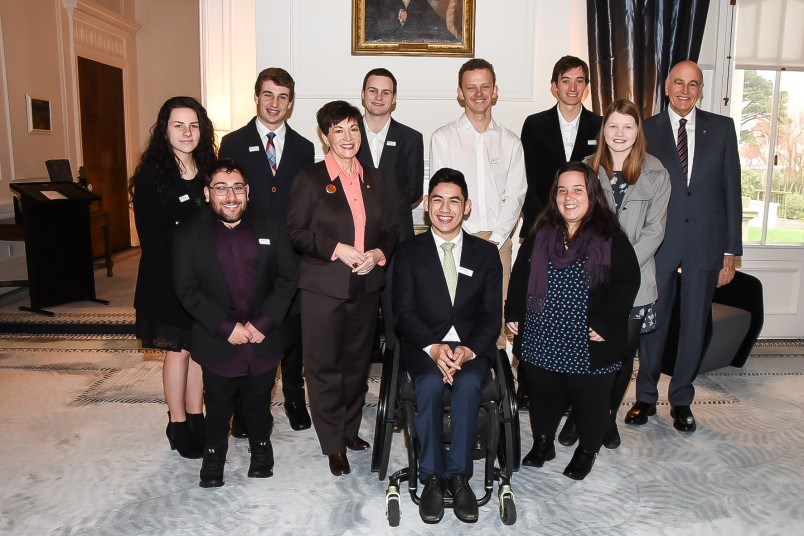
331	189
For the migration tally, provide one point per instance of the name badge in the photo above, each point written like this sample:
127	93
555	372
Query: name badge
495	162
184	198
390	143
254	148
265	241
465	271
591	142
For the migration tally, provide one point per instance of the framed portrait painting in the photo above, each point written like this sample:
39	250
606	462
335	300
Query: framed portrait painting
413	27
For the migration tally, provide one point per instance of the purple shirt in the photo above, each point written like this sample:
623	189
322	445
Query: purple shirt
237	253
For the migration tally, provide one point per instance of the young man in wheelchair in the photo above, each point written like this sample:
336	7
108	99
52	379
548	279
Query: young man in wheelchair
447	297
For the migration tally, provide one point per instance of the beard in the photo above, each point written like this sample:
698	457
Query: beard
228	217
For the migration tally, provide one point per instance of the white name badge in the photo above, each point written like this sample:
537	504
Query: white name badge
465	271
184	198
265	241
390	143
591	142
254	148
495	162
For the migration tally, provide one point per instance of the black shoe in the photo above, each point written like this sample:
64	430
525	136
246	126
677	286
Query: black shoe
612	438
239	428
212	468
431	505
543	451
262	459
356	443
297	415
580	464
339	464
639	413
464	502
182	440
569	433
683	419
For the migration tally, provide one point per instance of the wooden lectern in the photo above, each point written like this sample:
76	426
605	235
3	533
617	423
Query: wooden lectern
58	245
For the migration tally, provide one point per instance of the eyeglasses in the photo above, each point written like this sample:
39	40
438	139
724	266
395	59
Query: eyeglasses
221	189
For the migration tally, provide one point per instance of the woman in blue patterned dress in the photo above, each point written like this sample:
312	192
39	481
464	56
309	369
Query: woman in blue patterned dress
571	290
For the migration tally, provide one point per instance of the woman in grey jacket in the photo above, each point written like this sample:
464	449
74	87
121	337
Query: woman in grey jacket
637	188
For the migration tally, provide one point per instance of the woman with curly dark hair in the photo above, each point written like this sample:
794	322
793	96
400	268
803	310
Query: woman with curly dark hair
167	188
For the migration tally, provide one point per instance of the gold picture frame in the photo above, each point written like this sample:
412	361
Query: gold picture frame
413	28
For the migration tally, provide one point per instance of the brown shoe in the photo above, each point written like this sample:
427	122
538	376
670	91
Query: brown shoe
355	443
339	464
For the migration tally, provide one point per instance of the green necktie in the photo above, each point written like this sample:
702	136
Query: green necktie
450	272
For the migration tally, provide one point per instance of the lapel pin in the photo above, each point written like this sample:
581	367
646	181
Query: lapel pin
368	187
331	189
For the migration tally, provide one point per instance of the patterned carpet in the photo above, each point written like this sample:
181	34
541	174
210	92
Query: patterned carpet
84	452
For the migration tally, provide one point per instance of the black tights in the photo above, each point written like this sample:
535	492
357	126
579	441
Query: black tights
623	377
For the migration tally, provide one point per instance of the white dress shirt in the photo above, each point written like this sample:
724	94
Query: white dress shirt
452	334
376	141
493	164
690	128
279	139
569	132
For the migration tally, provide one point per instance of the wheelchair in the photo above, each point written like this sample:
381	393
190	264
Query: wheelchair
497	432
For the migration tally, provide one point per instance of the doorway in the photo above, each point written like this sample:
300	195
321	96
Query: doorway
103	142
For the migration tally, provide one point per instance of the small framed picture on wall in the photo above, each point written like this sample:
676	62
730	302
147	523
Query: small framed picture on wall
38	115
413	27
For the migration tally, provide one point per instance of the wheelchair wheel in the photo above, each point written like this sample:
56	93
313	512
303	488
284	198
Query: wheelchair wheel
507	511
392	509
510	446
507	505
386	412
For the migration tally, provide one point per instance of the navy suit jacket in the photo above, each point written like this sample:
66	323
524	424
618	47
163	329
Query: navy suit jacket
202	289
423	309
704	219
267	192
402	165
544	154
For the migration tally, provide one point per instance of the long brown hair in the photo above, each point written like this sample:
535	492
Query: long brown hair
632	166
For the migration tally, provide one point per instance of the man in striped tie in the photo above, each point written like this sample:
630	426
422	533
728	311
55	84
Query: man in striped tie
702	237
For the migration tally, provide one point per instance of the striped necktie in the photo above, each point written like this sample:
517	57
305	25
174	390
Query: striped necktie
270	150
681	146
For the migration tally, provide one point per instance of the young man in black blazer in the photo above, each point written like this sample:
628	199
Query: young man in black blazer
235	273
270	181
567	132
398	152
448	303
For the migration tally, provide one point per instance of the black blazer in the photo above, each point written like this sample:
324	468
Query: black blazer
421	302
544	154
267	192
319	218
402	166
202	289
710	208
610	303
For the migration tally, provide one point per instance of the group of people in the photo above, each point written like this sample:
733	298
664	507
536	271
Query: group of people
292	260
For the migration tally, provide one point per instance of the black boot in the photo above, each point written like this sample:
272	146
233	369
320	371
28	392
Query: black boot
580	464
543	450
569	433
262	459
212	468
182	440
196	423
612	438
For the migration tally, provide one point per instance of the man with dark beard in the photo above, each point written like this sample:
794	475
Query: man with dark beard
236	275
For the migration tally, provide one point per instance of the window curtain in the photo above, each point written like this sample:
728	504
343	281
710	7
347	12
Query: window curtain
634	43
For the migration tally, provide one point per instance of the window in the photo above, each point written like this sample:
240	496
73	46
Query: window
769	115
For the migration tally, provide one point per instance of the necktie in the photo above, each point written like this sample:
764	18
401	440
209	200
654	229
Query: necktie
682	146
450	272
270	150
